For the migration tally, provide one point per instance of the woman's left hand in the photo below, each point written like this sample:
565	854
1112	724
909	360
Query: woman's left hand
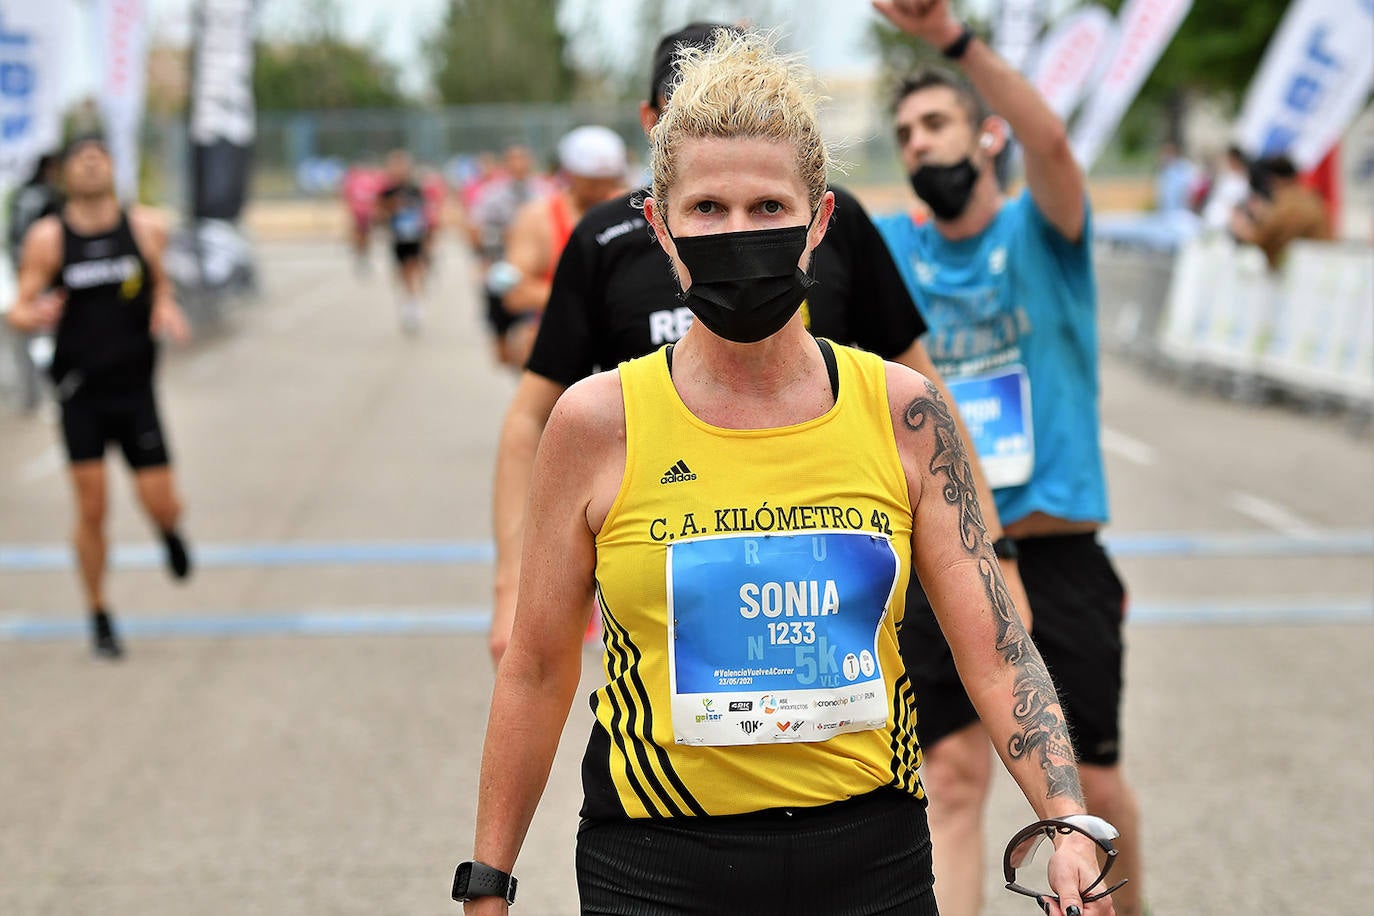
1072	868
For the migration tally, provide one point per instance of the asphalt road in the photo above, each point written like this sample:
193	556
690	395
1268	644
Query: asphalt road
298	729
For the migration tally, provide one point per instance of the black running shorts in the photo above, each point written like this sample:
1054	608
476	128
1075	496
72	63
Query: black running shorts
867	855
406	251
90	420
1078	603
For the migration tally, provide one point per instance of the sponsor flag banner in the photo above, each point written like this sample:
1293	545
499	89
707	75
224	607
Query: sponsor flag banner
1072	54
1316	74
31	46
223	120
1145	28
1016	29
122	27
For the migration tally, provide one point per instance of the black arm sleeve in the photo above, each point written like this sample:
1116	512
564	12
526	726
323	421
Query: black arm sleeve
884	319
564	347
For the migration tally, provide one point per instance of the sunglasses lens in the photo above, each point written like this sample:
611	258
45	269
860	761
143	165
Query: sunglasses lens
1025	850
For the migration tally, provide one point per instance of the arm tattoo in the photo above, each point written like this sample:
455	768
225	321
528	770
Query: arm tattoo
1042	736
951	460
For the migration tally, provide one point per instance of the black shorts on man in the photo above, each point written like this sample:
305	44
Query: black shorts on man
1078	604
92	419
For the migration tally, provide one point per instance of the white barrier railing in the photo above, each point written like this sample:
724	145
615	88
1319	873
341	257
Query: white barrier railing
1309	328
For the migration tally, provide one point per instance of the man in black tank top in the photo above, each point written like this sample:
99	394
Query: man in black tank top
94	274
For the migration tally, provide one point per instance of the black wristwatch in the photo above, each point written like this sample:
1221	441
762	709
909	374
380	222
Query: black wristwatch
1005	548
959	46
473	880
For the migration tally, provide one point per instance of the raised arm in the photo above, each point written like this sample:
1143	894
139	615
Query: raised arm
998	664
1052	174
577	472
40	260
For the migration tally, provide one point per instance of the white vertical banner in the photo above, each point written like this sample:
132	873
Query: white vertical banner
1075	51
1315	76
122	31
31	48
1145	28
1016	29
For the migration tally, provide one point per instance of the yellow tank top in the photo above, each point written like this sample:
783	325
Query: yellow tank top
752	583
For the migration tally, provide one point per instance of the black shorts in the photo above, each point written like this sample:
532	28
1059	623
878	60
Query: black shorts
90	420
867	855
1078	602
407	251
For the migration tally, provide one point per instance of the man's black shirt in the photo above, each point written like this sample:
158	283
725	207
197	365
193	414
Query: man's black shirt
614	296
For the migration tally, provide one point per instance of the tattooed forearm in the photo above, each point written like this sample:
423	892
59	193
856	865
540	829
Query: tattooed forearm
1043	737
950	461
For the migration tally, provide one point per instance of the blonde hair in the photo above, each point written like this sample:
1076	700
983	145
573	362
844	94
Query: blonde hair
741	87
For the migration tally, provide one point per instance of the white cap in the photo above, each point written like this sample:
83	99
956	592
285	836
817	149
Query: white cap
592	152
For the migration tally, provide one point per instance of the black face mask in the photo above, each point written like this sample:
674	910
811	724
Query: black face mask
745	285
946	189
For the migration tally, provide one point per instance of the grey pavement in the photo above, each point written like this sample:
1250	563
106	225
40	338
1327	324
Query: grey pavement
285	754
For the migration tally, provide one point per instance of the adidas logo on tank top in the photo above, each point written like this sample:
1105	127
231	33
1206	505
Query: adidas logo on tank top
678	473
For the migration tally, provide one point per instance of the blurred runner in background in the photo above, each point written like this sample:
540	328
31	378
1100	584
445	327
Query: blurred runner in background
403	206
94	273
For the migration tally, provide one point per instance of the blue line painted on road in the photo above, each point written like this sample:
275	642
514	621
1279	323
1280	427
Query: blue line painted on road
287	623
49	557
472	621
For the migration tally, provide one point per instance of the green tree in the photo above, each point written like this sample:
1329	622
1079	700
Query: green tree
323	73
316	68
500	51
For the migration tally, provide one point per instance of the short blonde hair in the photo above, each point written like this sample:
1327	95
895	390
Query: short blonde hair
741	87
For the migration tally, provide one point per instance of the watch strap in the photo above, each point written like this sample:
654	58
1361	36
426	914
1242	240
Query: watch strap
477	879
1005	548
956	49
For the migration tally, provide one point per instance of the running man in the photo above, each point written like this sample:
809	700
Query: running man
1007	286
614	298
403	205
94	272
592	162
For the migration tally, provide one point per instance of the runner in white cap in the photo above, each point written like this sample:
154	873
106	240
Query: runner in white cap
593	164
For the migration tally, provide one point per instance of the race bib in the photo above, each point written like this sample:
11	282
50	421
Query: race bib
774	638
409	225
997	412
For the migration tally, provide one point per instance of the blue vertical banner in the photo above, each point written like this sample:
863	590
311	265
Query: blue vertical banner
31	46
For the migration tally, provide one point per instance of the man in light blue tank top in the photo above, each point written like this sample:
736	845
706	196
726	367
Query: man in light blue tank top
1006	286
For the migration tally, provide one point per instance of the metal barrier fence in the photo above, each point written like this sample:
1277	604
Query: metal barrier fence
287	141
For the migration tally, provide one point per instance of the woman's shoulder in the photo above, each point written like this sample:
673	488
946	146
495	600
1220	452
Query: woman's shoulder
591	408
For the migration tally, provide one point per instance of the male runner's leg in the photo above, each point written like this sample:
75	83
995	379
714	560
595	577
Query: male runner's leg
1079	601
139	431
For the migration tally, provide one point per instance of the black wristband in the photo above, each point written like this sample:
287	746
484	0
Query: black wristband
476	879
1005	548
959	46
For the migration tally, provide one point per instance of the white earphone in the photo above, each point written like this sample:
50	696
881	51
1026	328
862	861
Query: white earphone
985	141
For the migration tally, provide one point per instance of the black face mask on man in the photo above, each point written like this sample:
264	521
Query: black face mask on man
946	189
745	285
